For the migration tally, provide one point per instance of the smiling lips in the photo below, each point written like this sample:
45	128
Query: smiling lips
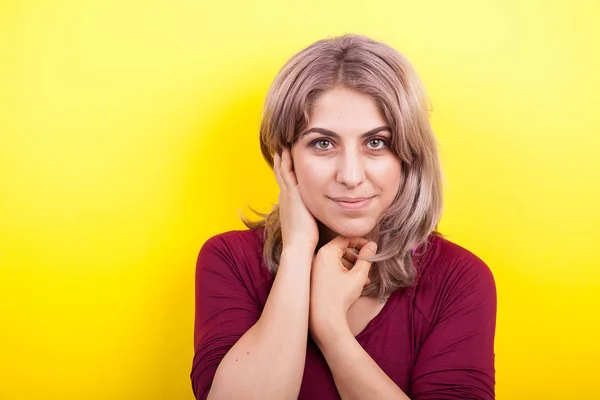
352	203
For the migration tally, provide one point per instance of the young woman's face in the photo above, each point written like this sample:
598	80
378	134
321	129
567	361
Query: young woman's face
344	157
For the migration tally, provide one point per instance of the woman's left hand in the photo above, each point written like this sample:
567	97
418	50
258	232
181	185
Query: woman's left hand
336	283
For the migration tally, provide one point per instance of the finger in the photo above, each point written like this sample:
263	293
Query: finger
287	170
362	267
350	254
277	169
357	242
368	282
354	246
338	245
347	264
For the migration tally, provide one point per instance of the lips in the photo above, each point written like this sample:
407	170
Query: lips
350	199
352	203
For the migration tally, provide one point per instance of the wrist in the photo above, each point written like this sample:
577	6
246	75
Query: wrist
297	250
296	259
329	330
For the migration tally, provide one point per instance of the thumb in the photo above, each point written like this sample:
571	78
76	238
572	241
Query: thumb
362	267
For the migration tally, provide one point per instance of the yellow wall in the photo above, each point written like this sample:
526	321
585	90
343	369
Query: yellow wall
129	135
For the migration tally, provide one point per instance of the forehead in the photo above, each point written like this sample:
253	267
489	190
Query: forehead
345	111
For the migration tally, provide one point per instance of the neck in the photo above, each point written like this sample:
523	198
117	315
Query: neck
326	235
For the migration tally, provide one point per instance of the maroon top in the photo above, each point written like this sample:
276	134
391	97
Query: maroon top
435	340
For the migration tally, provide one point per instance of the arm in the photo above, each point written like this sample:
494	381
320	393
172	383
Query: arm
456	361
355	373
336	285
253	357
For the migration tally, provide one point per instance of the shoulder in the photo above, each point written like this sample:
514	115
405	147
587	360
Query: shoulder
445	259
234	242
234	253
451	274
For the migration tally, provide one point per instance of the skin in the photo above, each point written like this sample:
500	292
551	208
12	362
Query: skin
349	166
320	167
343	152
320	292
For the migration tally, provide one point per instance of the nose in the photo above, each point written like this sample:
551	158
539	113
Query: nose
351	170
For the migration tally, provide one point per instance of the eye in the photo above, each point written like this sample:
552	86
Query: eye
374	144
319	142
379	144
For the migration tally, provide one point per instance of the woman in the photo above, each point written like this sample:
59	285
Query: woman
346	289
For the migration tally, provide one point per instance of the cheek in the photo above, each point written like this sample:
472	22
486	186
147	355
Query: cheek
310	175
390	175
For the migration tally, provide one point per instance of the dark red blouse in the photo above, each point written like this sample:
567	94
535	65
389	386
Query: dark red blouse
435	340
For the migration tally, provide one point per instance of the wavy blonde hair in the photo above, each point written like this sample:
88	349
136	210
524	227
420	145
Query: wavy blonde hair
376	69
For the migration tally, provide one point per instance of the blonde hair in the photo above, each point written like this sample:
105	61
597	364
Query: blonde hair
376	69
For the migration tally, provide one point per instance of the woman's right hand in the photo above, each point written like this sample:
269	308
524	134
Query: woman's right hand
298	225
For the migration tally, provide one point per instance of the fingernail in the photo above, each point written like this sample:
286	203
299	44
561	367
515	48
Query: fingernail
373	246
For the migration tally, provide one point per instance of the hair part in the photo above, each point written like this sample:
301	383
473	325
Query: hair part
370	67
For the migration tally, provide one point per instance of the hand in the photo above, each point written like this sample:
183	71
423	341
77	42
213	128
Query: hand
298	225
336	283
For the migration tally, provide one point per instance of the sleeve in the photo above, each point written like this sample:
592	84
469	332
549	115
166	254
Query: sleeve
224	311
456	360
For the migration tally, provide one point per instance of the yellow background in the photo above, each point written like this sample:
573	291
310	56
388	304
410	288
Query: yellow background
129	136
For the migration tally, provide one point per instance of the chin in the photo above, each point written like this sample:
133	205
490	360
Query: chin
351	228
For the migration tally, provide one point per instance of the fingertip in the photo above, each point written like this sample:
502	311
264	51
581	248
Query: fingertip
340	243
284	159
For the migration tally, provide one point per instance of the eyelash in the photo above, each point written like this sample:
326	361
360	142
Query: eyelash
382	139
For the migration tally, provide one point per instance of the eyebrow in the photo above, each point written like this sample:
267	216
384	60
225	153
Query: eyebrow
332	134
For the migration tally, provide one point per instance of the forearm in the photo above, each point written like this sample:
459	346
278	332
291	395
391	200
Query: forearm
356	374
267	362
